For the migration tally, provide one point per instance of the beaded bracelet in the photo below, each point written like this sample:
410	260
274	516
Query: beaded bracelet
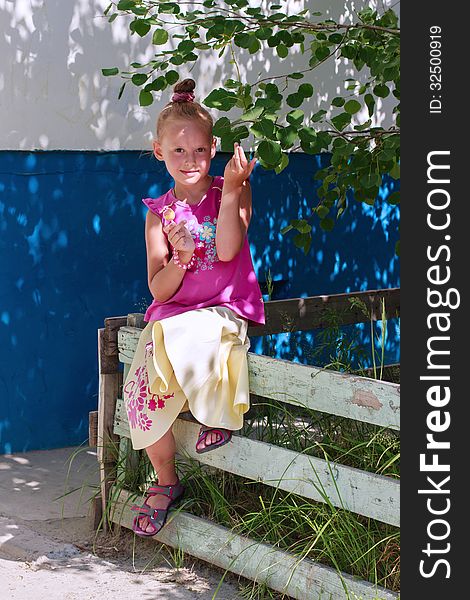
178	263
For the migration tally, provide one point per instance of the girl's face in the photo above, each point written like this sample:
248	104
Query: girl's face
187	149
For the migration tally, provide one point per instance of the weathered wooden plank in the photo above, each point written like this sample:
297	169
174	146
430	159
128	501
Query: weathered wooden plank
302	579
108	390
342	394
93	428
304	314
108	351
358	491
360	398
136	320
111	327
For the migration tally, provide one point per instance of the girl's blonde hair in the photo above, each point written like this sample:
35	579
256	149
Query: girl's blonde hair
184	109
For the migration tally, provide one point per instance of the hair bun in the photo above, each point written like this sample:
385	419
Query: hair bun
185	86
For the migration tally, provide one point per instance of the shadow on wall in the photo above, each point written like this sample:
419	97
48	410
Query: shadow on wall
72	252
56	97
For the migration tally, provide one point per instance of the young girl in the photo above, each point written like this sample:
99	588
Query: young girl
192	353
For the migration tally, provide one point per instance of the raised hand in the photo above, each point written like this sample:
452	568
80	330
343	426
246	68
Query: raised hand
238	168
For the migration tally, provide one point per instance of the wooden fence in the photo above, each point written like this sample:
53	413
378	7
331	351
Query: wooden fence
346	395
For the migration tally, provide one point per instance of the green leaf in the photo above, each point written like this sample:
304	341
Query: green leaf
160	37
318	116
301	225
221	126
286	37
397	248
273	41
263	33
269	152
381	90
394	198
295	117
169	7
327	224
308	134
140	26
371	180
171	77
264	128
341	121
324	138
364	125
294	100
156	85
335	38
242	40
322	211
305	90
109	72
296	76
271	89
303	240
287	136
177	59
282	51
338	101
286	229
254	44
145	98
352	107
236	135
186	46
370	102
252	114
232	84
322	52
139	78
221	99
349	51
395	171
283	165
343	149
126	4
121	90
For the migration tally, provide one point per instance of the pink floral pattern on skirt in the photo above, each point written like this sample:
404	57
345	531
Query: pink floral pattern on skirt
139	397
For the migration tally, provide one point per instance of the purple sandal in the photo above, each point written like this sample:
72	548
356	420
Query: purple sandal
156	516
226	435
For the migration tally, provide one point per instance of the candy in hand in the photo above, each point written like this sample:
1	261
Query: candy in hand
168	214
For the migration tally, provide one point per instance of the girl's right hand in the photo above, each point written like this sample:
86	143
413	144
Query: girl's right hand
179	237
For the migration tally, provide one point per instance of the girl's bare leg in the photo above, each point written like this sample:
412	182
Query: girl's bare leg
162	457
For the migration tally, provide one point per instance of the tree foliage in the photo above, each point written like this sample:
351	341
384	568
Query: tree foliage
270	107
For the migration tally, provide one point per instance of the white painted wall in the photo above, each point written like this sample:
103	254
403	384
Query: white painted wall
53	96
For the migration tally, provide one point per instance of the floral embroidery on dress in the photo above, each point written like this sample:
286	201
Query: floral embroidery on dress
207	232
206	253
138	396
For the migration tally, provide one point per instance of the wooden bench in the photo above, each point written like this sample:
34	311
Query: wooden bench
350	396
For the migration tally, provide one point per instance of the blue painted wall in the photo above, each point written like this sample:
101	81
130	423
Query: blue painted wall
72	252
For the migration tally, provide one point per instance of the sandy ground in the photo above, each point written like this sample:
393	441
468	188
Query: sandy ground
49	551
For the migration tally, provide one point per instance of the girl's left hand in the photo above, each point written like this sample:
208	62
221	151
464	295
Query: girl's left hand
238	168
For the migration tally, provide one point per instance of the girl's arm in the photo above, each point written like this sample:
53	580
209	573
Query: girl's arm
164	277
235	207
